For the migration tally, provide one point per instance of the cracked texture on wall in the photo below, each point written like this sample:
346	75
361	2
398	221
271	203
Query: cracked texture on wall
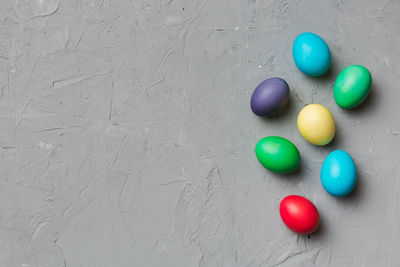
127	139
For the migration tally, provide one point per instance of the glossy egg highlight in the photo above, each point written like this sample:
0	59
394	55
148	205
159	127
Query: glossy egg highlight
338	173
316	124
311	54
269	97
277	154
299	214
352	86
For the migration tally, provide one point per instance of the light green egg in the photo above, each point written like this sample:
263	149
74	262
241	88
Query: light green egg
352	86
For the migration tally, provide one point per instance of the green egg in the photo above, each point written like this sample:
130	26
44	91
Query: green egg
352	86
277	154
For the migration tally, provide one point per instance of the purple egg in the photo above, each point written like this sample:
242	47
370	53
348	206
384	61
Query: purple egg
269	97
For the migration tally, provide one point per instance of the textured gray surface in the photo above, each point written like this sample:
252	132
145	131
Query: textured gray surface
127	138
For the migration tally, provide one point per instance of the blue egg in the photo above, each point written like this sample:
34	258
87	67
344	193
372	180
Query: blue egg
311	54
338	173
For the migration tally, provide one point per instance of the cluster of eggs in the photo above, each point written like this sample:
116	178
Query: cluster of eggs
315	123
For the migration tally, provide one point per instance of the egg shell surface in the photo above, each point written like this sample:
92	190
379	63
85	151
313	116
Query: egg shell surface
338	173
269	97
277	154
316	124
299	214
311	54
352	86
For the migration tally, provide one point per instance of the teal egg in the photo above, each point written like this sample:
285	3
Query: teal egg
311	54
338	173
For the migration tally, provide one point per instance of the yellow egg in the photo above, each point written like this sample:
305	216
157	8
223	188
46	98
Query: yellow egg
316	124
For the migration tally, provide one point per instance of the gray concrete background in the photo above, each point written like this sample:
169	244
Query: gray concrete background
127	138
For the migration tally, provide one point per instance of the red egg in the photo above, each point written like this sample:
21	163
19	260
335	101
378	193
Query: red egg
299	214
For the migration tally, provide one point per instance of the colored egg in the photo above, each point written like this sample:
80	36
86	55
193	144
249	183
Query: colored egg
311	54
269	97
299	214
316	124
277	154
338	173
352	86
